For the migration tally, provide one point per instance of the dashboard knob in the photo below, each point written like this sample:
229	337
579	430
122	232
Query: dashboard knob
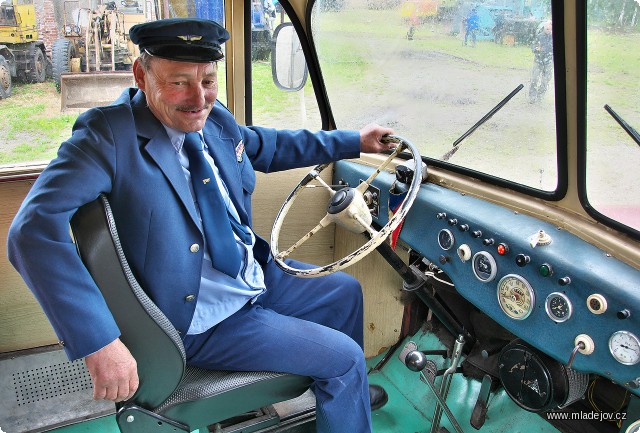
623	314
522	260
452	221
441	215
463	227
444	259
488	241
564	281
476	234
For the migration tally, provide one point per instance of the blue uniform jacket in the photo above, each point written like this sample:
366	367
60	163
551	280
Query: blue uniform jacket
122	150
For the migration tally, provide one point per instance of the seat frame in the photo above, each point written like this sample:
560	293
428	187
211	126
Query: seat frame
171	395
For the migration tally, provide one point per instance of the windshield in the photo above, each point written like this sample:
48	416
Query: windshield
447	72
613	95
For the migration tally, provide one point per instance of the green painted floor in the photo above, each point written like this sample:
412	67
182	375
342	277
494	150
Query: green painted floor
411	403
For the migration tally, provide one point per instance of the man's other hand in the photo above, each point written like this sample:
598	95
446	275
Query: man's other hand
370	139
114	372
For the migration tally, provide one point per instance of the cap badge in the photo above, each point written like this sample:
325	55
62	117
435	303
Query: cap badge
190	38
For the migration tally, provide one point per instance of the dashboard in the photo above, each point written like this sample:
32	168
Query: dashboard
548	287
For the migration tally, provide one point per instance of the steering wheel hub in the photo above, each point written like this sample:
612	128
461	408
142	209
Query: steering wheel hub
341	200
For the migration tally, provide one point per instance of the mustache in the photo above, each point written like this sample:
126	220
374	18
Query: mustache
193	107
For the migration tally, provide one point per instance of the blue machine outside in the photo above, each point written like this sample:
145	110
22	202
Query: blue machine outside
210	9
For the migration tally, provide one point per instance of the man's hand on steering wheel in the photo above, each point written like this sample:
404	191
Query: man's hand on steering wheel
371	139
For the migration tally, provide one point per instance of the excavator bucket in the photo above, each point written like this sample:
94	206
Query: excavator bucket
80	91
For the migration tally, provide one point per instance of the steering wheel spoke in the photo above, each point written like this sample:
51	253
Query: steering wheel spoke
369	229
322	184
364	185
322	224
348	209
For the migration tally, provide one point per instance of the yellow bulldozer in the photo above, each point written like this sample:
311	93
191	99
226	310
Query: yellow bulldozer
22	55
92	60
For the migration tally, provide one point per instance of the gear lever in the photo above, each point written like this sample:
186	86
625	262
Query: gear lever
416	360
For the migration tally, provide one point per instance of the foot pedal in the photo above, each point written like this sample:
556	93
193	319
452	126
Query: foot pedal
479	414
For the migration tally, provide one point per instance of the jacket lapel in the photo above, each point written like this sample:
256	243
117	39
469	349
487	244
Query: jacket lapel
222	149
160	149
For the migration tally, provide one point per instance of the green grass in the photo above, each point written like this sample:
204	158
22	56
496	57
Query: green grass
29	128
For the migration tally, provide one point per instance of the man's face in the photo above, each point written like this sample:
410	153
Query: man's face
179	94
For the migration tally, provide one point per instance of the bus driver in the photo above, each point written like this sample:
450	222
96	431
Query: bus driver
234	308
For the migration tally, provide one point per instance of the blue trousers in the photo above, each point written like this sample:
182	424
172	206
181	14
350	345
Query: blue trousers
307	326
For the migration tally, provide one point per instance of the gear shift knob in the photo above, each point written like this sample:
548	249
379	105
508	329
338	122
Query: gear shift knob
415	360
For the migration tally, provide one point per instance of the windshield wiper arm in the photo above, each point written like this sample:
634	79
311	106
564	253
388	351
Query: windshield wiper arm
494	110
628	128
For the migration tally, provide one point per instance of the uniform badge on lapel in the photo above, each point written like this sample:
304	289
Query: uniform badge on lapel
239	151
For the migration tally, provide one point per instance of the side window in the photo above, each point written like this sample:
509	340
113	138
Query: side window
284	104
37	117
613	112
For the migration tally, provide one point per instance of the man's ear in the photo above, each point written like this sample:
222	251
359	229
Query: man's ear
139	74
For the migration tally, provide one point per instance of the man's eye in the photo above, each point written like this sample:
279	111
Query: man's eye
209	84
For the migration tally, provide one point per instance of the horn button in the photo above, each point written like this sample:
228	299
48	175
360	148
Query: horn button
341	200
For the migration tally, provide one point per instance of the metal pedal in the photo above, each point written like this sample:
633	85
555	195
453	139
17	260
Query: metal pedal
479	414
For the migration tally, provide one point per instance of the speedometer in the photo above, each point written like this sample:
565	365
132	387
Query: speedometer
516	296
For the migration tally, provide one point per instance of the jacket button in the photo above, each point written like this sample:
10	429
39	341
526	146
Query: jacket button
194	248
189	298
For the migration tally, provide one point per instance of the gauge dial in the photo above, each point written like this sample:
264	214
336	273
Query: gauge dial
446	239
558	307
515	296
625	347
484	266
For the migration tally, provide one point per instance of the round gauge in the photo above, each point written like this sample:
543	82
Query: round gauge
558	307
625	347
484	266
634	427
515	296
446	239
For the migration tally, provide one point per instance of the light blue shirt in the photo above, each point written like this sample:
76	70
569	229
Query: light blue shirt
220	295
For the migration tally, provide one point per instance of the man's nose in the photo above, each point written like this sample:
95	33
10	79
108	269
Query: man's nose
197	95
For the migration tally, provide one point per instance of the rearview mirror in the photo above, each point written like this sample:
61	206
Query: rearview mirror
288	65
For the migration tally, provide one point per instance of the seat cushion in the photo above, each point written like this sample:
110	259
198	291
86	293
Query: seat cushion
206	396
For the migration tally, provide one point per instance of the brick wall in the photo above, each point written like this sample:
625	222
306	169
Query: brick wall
47	24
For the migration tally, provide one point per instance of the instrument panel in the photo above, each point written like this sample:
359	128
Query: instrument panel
545	285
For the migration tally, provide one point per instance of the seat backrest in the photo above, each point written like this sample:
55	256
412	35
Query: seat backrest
145	330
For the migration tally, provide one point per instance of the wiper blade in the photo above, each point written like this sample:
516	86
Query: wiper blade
628	128
494	110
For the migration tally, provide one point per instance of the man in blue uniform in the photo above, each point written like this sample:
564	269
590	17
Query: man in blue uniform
232	306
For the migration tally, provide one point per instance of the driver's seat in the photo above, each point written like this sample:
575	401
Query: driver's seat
172	396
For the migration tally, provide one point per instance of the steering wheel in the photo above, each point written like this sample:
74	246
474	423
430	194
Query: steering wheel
347	208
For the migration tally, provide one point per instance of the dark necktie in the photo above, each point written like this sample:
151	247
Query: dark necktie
218	225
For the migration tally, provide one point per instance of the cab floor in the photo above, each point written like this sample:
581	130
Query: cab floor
412	404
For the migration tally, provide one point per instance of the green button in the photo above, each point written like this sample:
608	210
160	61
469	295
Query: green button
545	270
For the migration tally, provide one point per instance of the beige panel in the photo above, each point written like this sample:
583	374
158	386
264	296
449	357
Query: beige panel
271	191
381	285
382	290
22	322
